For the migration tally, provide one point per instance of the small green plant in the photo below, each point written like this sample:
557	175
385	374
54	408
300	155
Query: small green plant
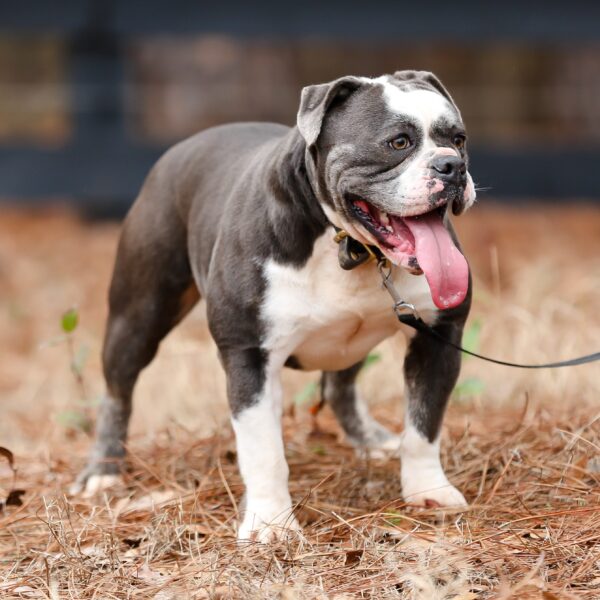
78	419
394	517
372	358
471	337
70	320
307	394
472	386
319	450
468	388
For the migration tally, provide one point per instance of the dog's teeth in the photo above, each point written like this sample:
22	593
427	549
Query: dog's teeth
384	218
389	228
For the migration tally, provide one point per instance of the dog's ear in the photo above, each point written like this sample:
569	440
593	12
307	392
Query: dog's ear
316	100
429	79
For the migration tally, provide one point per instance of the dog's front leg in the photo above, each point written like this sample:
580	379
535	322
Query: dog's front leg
430	371
255	396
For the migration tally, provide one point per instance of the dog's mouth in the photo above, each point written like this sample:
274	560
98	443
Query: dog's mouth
421	244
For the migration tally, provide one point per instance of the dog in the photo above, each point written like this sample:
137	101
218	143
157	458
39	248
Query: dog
244	215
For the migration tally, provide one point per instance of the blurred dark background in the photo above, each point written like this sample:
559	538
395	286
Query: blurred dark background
92	91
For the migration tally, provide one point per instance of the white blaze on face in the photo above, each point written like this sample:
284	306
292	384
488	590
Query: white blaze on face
424	106
415	184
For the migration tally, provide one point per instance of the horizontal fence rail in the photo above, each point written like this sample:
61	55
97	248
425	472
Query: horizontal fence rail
120	79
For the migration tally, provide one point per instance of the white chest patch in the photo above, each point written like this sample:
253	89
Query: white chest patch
328	318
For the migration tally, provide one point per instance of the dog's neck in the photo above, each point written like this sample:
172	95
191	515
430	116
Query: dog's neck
290	180
296	213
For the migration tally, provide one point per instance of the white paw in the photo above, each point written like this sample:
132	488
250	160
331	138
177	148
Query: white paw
438	493
424	482
392	443
96	484
381	449
386	448
267	523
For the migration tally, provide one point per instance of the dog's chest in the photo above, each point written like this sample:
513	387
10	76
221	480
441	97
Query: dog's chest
328	318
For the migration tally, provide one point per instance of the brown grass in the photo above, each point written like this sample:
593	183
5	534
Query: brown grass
524	448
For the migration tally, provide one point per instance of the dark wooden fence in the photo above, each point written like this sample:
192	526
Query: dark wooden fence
117	81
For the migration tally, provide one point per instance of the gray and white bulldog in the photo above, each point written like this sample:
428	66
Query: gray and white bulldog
243	215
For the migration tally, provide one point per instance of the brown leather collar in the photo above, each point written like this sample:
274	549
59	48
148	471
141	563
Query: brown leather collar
352	253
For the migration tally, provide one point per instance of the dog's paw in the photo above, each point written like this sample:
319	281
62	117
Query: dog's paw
433	494
96	484
380	448
92	481
267	524
377	441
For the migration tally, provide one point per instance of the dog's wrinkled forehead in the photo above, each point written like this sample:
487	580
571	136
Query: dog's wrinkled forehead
383	106
366	106
425	106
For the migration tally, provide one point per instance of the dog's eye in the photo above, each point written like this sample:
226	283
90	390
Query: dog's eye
460	141
402	142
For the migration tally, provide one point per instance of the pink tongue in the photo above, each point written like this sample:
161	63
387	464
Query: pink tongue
444	266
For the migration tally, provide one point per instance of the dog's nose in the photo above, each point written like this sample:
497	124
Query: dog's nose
450	168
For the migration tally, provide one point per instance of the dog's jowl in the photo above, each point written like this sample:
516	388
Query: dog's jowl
243	216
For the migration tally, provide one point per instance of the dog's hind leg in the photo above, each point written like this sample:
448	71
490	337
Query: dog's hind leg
338	388
151	291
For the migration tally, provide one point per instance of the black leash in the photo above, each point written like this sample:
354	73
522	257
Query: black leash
412	319
353	253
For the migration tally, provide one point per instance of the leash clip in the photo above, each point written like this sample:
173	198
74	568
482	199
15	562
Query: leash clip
400	306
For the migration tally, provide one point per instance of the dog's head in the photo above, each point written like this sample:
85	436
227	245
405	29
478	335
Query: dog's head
388	158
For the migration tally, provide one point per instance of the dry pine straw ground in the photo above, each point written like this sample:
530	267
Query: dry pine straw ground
524	447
